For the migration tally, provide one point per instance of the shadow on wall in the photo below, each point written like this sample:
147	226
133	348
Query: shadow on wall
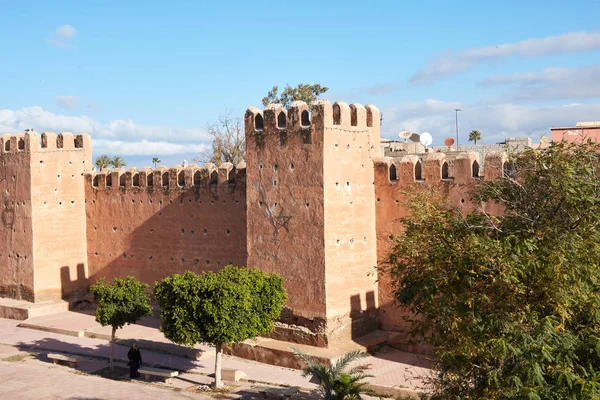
363	320
76	288
151	234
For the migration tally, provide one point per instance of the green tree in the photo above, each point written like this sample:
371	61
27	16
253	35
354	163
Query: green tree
335	382
156	161
220	308
103	161
510	303
120	302
228	141
474	136
304	92
118	162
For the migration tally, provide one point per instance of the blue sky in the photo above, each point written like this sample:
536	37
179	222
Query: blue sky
145	78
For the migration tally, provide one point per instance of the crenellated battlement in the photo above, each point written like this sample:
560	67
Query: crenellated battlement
437	168
176	177
279	125
31	142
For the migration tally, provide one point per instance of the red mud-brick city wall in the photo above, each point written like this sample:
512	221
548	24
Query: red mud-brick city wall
314	203
153	223
43	237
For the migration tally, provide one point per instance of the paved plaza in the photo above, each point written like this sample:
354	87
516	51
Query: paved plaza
23	353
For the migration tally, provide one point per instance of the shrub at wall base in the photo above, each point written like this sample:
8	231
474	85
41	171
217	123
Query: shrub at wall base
220	308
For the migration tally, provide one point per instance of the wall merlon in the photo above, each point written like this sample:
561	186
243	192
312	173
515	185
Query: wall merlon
130	174
410	169
373	116
435	168
252	116
358	115
385	169
225	174
494	164
298	116
49	140
341	114
466	167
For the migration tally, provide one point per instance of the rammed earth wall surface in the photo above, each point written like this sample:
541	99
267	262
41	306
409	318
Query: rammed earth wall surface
153	223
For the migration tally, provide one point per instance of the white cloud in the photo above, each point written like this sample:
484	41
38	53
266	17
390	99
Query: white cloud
549	84
62	36
67	102
496	121
449	63
124	136
145	148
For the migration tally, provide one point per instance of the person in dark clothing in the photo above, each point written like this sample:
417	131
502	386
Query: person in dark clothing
135	361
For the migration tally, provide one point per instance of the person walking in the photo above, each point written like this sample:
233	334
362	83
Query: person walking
135	361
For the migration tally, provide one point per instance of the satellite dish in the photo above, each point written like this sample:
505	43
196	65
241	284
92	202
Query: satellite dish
544	139
449	142
404	134
415	138
426	139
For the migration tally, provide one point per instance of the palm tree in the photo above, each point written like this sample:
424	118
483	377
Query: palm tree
474	136
118	162
334	382
156	161
103	161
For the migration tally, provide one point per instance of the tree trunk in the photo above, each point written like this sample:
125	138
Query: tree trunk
112	348
219	350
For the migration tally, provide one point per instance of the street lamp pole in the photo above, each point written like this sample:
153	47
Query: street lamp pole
456	111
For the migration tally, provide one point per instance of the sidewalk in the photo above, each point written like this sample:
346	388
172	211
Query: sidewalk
395	372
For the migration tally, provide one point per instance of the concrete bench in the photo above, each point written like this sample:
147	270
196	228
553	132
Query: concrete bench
234	375
281	392
71	360
163	373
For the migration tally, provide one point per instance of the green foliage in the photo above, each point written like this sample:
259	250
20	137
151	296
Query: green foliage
226	307
120	302
511	303
304	92
335	383
118	162
156	161
474	136
102	161
106	161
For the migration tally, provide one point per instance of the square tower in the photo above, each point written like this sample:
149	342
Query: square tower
43	226
311	214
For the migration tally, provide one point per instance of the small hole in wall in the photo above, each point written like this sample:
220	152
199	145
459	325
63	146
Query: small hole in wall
41	161
95	228
124	255
150	201
336	145
462	200
348	146
365	239
275	167
114	228
183	231
57	176
378	199
260	166
205	232
228	232
151	230
337	242
337	184
192	233
351	241
260	203
183	260
307	205
347	183
274	182
172	259
60	203
72	202
207	262
292	166
150	258
96	253
72	176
